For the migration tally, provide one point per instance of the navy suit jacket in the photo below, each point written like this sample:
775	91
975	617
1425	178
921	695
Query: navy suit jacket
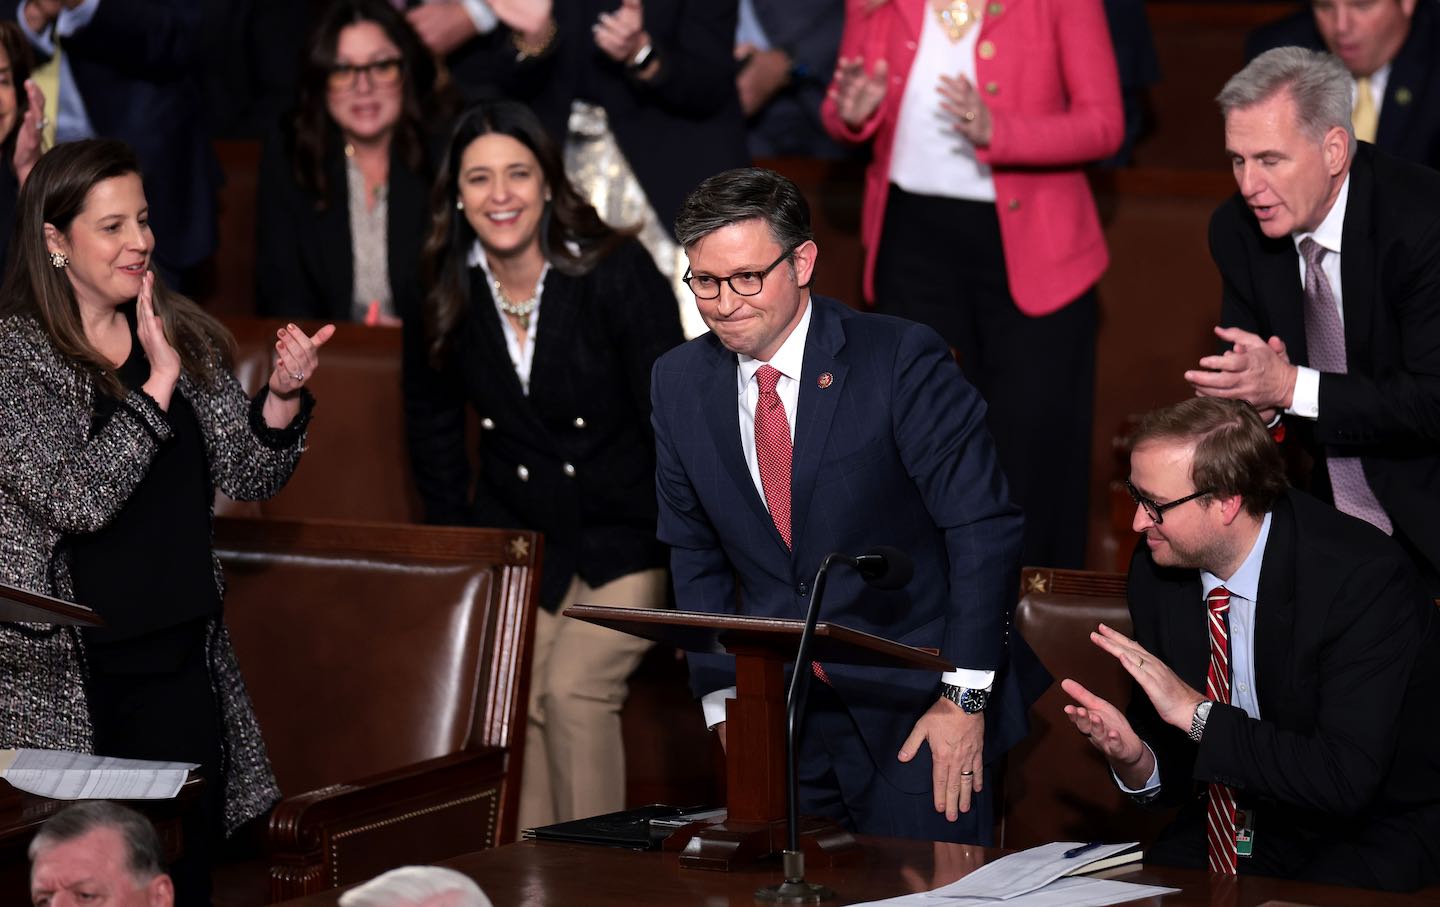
138	65
1410	114
894	451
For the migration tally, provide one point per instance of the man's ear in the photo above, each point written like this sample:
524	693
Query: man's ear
806	255
160	892
1231	506
1337	150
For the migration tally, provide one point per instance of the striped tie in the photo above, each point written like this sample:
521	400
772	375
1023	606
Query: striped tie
1220	811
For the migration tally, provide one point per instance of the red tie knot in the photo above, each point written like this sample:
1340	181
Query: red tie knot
1218	600
768	377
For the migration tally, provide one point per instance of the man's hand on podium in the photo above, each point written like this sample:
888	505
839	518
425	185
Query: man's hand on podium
957	745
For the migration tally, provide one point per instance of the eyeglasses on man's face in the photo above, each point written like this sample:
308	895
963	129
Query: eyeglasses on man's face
742	283
379	73
1156	511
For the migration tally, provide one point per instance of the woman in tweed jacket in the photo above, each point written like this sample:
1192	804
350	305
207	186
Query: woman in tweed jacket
108	386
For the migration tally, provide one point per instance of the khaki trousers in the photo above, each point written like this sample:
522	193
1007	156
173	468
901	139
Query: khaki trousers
574	758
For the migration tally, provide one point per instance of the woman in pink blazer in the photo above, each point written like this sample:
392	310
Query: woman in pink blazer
978	219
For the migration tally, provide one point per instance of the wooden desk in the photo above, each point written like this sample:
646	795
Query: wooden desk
534	874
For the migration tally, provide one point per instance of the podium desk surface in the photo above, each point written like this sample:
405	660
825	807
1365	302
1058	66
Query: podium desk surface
542	873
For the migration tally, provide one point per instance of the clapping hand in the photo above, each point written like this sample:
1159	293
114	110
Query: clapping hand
858	95
527	17
1110	733
296	359
962	102
150	329
441	26
28	137
621	34
1253	369
1173	698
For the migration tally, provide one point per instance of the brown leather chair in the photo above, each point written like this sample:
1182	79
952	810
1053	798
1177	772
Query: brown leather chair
356	466
1057	787
388	666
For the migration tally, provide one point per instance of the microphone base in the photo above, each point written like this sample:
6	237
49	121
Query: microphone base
797	892
794	890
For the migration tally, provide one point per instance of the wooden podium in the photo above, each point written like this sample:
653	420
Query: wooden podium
19	606
755	824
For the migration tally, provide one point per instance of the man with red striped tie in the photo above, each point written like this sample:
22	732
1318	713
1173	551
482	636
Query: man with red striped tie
1286	668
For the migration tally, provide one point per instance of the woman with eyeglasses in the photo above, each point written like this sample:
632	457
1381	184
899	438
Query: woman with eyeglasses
545	322
342	186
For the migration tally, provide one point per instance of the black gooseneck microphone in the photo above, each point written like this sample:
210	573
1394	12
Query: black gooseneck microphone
882	567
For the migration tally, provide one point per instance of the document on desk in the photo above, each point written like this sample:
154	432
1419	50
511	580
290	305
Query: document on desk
1026	870
79	776
1073	892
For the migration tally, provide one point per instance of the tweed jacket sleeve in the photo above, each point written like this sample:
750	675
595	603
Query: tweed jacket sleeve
64	477
249	460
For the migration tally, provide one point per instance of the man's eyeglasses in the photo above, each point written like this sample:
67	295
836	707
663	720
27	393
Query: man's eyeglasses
743	283
380	74
1155	511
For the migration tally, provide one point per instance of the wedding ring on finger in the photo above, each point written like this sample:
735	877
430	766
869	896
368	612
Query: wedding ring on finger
969	116
298	376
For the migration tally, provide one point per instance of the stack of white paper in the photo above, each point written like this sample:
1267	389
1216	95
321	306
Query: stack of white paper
77	776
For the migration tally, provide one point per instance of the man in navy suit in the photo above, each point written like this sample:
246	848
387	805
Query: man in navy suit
798	427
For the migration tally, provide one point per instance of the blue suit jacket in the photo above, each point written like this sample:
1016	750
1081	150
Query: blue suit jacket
893	451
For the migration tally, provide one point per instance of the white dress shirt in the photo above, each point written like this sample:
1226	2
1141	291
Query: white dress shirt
1244	589
788	361
929	156
1306	401
522	357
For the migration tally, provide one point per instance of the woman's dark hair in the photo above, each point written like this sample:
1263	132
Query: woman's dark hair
55	194
17	49
311	130
573	238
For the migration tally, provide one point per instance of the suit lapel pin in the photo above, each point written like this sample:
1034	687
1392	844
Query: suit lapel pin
825	380
1403	96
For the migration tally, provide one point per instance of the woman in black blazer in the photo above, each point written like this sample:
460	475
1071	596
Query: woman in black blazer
546	322
342	184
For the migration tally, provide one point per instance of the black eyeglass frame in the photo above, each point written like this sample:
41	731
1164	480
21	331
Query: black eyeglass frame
355	69
727	279
1155	510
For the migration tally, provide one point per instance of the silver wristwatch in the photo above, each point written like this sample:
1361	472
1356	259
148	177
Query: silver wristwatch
1197	722
969	699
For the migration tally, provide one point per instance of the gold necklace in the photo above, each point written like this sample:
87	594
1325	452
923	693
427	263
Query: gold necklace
957	17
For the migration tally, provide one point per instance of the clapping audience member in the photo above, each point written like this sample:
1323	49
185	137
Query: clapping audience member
466	33
343	185
98	852
786	51
545	322
119	418
417	886
642	97
22	106
133	70
978	219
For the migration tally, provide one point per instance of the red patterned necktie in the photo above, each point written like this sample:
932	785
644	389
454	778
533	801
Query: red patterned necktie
773	449
1220	811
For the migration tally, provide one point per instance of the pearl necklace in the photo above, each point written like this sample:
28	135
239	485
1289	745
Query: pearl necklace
520	310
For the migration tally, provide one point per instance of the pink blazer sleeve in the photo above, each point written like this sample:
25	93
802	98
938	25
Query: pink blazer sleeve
861	38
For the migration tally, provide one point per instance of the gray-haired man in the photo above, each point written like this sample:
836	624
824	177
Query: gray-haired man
98	852
1330	257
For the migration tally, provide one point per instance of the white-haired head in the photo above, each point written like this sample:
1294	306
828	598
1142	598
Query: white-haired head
417	886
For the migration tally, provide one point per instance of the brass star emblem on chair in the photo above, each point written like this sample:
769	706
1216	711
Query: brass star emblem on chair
519	548
1036	582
